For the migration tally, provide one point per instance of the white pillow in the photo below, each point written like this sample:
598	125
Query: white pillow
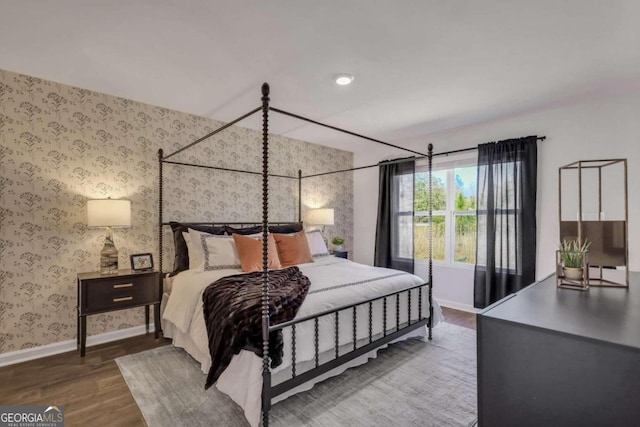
194	248
316	243
219	252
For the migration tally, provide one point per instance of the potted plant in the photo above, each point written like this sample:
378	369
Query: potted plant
337	243
572	257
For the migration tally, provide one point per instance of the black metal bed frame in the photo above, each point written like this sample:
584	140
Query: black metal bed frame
389	332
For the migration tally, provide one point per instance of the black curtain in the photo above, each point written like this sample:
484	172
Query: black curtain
394	230
506	218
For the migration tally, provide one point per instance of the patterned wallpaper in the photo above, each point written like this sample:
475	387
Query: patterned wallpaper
61	145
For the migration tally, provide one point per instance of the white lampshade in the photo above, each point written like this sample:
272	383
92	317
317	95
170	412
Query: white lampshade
108	213
320	217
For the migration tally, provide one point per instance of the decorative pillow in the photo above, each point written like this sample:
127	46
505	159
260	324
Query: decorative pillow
181	260
250	252
243	231
219	252
286	228
293	249
196	249
316	244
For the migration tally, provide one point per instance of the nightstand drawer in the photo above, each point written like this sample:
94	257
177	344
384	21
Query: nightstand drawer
98	293
115	293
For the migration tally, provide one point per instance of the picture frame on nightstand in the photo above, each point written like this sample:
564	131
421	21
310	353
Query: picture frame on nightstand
141	262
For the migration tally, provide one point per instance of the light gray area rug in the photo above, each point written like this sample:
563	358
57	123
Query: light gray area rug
411	383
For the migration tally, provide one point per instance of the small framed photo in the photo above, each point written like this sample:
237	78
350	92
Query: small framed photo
141	262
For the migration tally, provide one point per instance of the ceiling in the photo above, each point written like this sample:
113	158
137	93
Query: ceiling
420	66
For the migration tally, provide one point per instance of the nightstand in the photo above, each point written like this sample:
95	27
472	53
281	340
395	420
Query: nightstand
100	293
341	254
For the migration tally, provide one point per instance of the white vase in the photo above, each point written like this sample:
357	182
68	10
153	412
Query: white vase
338	248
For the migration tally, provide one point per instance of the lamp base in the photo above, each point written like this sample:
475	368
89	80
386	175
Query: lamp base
108	256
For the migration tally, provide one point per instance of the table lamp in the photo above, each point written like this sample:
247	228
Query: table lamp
109	213
321	217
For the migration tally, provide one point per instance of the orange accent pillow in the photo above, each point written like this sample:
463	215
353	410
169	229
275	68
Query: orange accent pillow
293	248
250	252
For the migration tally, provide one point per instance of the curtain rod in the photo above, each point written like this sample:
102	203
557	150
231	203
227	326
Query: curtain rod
390	162
462	150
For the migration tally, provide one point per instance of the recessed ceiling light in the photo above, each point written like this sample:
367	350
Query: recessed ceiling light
344	79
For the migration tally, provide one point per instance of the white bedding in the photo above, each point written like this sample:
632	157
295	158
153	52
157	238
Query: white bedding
335	282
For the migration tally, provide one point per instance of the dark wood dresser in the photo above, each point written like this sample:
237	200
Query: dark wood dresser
98	293
560	357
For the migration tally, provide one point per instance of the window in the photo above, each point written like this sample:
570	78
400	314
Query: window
454	213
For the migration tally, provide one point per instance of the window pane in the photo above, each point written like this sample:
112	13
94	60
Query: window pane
405	238
465	179
505	241
481	224
439	191
465	251
421	237
505	253
505	177
404	185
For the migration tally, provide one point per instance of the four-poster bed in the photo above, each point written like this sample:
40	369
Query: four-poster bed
394	305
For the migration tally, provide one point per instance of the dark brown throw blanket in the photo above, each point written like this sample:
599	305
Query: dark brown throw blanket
233	314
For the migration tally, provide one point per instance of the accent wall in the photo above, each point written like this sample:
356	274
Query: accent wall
62	145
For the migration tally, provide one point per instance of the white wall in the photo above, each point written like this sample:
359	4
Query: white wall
605	128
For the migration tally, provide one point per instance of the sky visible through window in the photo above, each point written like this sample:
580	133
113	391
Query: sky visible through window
466	180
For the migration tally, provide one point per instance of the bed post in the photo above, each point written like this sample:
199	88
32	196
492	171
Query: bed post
160	156
299	195
430	156
266	374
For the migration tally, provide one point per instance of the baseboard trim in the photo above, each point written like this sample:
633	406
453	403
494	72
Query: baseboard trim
19	356
457	306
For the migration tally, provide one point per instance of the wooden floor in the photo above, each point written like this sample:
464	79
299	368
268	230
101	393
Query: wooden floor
91	389
460	318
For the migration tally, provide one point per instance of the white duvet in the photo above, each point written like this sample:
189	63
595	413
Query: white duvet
335	282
